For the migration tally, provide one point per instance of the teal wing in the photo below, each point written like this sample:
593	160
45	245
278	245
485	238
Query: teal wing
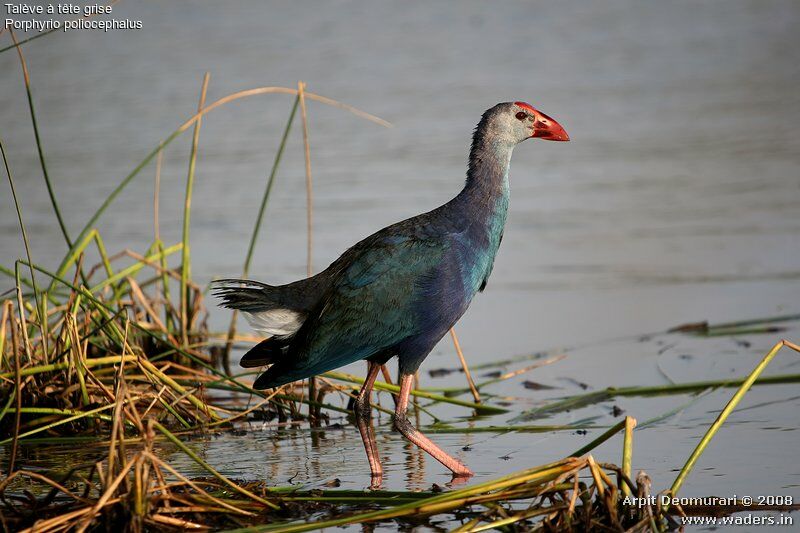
373	304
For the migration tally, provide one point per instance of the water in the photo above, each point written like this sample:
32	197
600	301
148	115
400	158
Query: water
675	202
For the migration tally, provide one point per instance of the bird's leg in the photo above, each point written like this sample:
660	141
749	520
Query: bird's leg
362	411
413	434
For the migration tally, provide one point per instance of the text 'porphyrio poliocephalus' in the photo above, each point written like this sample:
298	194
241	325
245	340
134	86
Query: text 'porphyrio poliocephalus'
397	292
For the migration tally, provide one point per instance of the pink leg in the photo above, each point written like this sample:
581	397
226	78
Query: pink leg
362	411
411	433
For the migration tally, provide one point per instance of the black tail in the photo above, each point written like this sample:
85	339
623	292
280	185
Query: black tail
244	294
272	310
254	296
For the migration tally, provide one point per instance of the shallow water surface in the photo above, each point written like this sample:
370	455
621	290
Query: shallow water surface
675	202
311	458
748	457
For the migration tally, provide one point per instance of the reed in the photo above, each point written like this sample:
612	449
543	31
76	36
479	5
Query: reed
729	407
589	398
187	210
27	80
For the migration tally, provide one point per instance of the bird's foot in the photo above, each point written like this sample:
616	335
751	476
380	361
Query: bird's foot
405	427
460	470
377	480
457	480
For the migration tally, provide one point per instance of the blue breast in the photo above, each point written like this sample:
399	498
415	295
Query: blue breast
480	243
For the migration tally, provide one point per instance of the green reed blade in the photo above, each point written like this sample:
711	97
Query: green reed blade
42	317
723	415
187	210
270	181
76	415
257	228
17	44
582	400
27	80
627	451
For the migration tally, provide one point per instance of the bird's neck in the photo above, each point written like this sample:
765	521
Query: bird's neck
487	186
481	208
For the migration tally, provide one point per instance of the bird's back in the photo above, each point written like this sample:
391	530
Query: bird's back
398	290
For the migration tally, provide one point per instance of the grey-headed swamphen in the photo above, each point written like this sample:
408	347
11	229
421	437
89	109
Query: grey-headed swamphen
397	292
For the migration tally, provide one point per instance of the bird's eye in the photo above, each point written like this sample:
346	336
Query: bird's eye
521	115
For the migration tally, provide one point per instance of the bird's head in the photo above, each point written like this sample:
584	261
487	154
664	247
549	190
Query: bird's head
513	122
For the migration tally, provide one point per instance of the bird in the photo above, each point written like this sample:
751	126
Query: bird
397	292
